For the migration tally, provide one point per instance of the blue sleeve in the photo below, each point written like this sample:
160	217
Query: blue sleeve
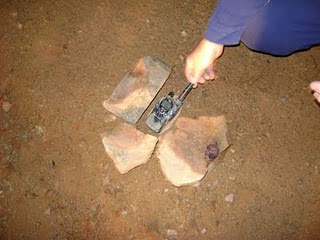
229	19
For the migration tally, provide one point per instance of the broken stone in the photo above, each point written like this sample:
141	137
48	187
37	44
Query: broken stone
182	150
128	147
137	89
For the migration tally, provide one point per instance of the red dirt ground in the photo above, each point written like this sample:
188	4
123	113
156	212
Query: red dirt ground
61	59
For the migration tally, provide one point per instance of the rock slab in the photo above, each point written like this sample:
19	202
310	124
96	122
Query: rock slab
137	89
182	150
128	147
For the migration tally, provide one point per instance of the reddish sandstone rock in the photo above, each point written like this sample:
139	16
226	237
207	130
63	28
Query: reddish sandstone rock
128	147
137	89
188	151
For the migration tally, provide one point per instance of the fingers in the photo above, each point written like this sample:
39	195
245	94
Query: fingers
199	64
196	75
195	80
317	96
209	73
201	79
315	86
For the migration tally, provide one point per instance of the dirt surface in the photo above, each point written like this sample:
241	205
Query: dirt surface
61	59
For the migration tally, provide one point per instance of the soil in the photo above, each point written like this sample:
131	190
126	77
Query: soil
61	59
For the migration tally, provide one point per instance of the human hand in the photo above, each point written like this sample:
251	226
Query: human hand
200	63
315	86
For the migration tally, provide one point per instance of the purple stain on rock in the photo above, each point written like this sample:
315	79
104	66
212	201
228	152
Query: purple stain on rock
212	151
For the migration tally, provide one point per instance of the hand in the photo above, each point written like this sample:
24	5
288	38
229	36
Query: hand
315	86
200	63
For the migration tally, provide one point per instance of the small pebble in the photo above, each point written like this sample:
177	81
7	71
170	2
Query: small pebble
166	190
232	150
110	118
20	26
232	178
124	213
204	231
172	233
229	198
14	14
48	211
183	33
39	130
6	106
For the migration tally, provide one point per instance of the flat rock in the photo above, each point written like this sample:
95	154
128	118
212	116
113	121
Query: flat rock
183	150
137	89
128	147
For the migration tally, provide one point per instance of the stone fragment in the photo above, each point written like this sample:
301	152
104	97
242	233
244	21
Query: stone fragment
137	89
183	149
128	147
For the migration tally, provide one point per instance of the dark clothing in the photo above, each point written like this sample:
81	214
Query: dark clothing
278	27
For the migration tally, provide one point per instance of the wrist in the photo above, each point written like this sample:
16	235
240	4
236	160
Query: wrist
209	51
210	45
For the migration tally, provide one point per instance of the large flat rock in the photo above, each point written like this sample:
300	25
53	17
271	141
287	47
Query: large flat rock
137	89
188	150
128	147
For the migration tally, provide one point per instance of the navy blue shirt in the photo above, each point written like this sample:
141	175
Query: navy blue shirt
279	27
